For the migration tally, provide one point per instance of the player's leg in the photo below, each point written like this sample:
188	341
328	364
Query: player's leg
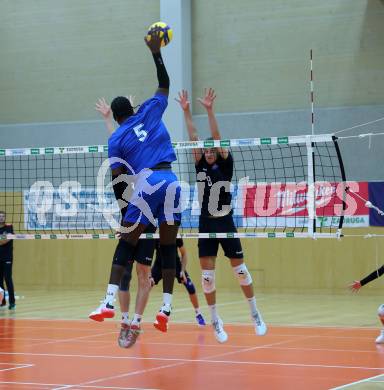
208	264
9	283
124	253
190	287
380	312
144	255
233	250
168	234
3	302
124	295
124	300
169	216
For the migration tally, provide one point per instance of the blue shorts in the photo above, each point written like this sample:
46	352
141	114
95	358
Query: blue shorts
156	196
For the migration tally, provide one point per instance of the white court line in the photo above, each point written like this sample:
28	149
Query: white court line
217	345
240	324
84	387
14	368
180	363
204	360
357	382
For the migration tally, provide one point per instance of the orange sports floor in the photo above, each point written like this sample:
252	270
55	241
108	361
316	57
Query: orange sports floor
77	354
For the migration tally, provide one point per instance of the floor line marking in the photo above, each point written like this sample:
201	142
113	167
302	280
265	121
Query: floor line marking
85	387
180	363
357	382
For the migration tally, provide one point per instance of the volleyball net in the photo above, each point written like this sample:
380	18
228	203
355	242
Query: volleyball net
289	187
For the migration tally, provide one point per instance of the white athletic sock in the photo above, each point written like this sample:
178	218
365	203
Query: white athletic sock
111	293
136	319
214	315
252	305
125	317
167	299
197	311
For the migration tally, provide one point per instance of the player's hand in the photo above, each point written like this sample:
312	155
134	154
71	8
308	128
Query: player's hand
183	100
183	277
131	99
153	40
208	99
355	286
104	108
151	281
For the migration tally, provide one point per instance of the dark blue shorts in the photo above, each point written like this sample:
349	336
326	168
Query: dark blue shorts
156	196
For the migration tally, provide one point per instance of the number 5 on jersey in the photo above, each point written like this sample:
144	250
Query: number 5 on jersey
141	134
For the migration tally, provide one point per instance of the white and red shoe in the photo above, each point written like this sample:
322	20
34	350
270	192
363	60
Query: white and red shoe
380	338
162	318
105	310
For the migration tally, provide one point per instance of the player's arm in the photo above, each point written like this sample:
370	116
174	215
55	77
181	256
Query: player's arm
119	182
192	132
105	110
184	261
207	103
154	43
357	284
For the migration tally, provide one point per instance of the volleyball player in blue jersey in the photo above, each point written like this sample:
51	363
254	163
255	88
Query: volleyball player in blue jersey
141	147
142	257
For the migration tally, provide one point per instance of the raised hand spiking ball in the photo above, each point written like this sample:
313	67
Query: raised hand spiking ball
166	32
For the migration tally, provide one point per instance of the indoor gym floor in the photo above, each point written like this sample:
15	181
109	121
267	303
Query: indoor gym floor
313	342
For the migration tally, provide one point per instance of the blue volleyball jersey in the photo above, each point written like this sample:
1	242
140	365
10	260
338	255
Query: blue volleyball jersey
143	140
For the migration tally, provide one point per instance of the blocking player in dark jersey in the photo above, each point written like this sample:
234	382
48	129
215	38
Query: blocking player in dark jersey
142	256
6	261
141	148
356	286
182	276
214	169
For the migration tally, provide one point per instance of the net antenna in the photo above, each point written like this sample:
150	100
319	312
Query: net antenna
311	205
312	93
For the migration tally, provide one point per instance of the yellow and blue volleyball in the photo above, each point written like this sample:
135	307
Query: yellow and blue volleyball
166	32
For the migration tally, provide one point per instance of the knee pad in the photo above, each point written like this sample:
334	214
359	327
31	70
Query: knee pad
168	256
380	311
208	281
243	275
123	253
190	286
126	278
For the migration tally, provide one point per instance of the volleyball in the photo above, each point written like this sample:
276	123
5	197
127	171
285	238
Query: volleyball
166	32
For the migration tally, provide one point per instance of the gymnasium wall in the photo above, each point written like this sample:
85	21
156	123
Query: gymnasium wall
57	60
277	265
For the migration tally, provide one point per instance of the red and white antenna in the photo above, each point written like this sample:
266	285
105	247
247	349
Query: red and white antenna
312	98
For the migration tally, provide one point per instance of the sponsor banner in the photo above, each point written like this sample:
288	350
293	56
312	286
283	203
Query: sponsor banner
376	197
71	207
291	199
68	209
302	222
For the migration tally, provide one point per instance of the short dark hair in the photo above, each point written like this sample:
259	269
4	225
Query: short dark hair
121	108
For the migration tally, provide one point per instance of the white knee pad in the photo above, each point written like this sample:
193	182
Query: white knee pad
243	275
380	311
208	280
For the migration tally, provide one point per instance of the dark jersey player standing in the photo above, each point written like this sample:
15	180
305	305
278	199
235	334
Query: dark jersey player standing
214	170
141	147
6	261
356	286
